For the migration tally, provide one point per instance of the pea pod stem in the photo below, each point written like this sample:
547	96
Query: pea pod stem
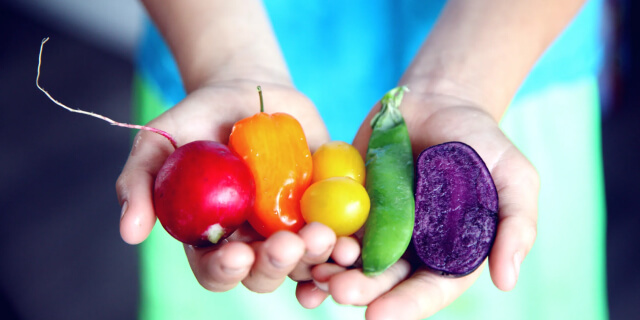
389	115
389	166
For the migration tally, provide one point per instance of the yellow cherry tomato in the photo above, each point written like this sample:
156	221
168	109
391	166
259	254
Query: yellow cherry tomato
338	159
340	203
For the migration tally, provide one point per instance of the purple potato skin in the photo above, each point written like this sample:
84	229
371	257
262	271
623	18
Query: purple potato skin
456	209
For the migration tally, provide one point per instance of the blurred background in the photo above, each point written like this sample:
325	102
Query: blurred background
61	256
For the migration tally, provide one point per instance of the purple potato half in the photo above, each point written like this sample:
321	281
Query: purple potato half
456	209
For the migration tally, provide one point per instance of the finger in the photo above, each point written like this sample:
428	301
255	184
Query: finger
346	251
354	288
319	241
322	273
134	186
276	257
420	296
220	268
309	295
518	185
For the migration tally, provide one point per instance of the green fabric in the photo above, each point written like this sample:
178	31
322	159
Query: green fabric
563	277
559	130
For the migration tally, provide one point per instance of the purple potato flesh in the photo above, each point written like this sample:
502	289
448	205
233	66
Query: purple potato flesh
456	209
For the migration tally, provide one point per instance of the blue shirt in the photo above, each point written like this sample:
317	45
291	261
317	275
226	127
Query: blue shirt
345	54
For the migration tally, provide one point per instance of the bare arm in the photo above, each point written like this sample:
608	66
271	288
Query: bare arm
481	51
219	40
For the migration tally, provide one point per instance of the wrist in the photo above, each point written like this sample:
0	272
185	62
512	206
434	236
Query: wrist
481	51
440	92
252	73
252	58
219	41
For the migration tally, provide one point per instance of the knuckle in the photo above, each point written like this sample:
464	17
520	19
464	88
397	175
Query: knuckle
302	272
121	187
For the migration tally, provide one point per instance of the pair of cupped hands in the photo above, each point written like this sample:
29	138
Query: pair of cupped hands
321	263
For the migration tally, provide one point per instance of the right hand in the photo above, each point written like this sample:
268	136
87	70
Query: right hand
408	289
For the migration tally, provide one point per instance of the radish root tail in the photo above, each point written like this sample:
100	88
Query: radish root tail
95	115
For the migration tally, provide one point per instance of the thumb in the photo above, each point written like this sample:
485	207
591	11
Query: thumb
134	186
518	184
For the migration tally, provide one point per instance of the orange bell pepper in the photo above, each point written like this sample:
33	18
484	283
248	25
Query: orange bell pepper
275	149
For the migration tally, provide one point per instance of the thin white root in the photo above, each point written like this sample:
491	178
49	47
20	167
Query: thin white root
95	115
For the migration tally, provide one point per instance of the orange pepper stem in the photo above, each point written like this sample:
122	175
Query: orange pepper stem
261	100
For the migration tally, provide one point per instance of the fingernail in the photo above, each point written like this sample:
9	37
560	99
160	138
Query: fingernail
324	286
125	205
517	261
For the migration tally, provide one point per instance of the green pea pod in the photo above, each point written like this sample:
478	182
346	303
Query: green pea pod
389	182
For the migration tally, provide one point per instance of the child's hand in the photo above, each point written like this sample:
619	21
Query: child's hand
261	264
209	113
407	290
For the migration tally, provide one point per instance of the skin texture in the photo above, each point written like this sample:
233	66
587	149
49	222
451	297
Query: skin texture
462	80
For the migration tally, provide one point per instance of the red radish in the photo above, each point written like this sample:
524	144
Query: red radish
202	193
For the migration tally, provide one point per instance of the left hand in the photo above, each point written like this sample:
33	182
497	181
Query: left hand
209	113
408	290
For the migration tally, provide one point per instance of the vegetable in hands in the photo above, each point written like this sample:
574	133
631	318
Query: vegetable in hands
338	159
389	182
337	197
275	148
456	209
203	193
340	203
